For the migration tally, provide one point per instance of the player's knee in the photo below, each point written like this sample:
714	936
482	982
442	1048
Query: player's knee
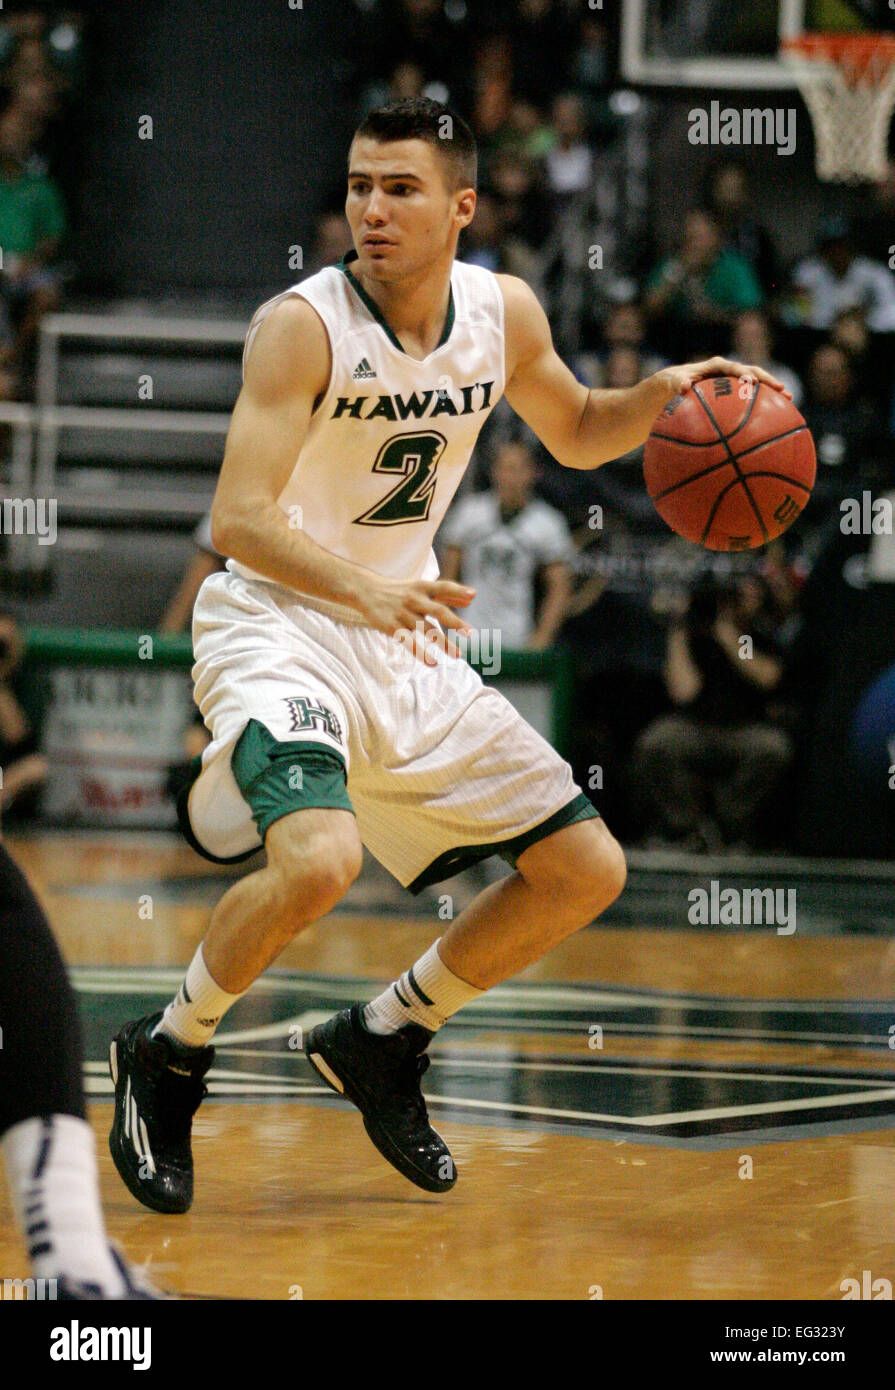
606	870
583	872
313	866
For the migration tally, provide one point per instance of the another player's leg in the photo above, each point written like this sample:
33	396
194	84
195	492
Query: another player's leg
159	1063
47	1142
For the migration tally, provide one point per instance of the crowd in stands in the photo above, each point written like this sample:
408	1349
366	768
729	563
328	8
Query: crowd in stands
39	72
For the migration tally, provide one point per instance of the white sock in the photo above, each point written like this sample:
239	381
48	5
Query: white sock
197	1008
51	1167
428	993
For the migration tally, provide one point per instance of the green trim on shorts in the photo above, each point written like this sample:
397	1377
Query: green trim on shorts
454	861
264	770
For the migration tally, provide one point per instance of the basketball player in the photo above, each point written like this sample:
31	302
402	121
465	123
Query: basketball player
47	1142
325	666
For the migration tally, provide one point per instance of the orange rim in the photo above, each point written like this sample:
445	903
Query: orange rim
867	55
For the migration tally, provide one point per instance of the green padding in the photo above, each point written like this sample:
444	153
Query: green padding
278	778
454	861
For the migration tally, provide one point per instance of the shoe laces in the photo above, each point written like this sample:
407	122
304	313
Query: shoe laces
178	1097
408	1078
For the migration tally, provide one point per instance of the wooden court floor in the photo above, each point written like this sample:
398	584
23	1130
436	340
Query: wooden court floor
666	1114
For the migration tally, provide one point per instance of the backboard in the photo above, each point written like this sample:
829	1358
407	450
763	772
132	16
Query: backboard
730	43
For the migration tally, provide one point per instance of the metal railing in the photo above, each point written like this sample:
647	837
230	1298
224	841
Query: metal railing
35	444
122	328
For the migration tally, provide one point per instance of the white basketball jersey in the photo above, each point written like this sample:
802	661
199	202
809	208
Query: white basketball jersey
390	441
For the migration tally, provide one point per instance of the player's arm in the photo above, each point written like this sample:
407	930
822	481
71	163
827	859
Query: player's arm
582	428
287	371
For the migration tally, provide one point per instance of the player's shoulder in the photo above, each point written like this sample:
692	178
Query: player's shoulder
292	310
518	296
526	327
288	344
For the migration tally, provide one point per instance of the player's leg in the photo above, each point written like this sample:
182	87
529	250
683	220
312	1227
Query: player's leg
562	883
158	1063
47	1142
278	779
375	1054
480	768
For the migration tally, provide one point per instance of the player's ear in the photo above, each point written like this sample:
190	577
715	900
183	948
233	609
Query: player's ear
464	210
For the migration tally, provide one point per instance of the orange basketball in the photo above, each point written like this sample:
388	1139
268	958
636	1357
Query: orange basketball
729	465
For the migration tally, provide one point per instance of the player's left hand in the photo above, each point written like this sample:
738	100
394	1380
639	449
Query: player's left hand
680	379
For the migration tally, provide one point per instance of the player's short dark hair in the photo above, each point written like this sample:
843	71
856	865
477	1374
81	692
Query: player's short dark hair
419	118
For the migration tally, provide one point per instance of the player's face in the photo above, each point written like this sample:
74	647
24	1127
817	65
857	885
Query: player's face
402	213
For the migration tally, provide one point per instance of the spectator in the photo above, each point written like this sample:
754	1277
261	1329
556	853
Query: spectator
835	278
24	769
707	771
36	100
869	359
539	28
615	639
622	368
570	162
526	132
493	96
875	228
730	199
849	332
752	342
705	285
483	238
625	327
501	542
32	224
516	184
619	487
178	615
590	70
332	238
406	80
848	431
425	33
525	217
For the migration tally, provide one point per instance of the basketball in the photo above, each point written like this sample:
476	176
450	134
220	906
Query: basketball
729	465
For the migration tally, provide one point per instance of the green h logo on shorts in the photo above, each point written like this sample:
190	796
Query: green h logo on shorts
306	715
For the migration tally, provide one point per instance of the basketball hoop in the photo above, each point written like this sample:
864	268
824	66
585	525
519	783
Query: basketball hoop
848	84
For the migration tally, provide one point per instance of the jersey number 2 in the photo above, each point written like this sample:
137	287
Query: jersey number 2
415	458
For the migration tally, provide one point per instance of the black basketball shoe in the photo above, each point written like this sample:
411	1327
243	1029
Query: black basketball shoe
158	1090
381	1075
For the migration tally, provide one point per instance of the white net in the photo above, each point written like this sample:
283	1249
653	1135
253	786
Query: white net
851	106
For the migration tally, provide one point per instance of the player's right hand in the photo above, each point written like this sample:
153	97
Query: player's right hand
406	610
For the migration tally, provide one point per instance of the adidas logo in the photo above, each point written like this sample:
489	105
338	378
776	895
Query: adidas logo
363	371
